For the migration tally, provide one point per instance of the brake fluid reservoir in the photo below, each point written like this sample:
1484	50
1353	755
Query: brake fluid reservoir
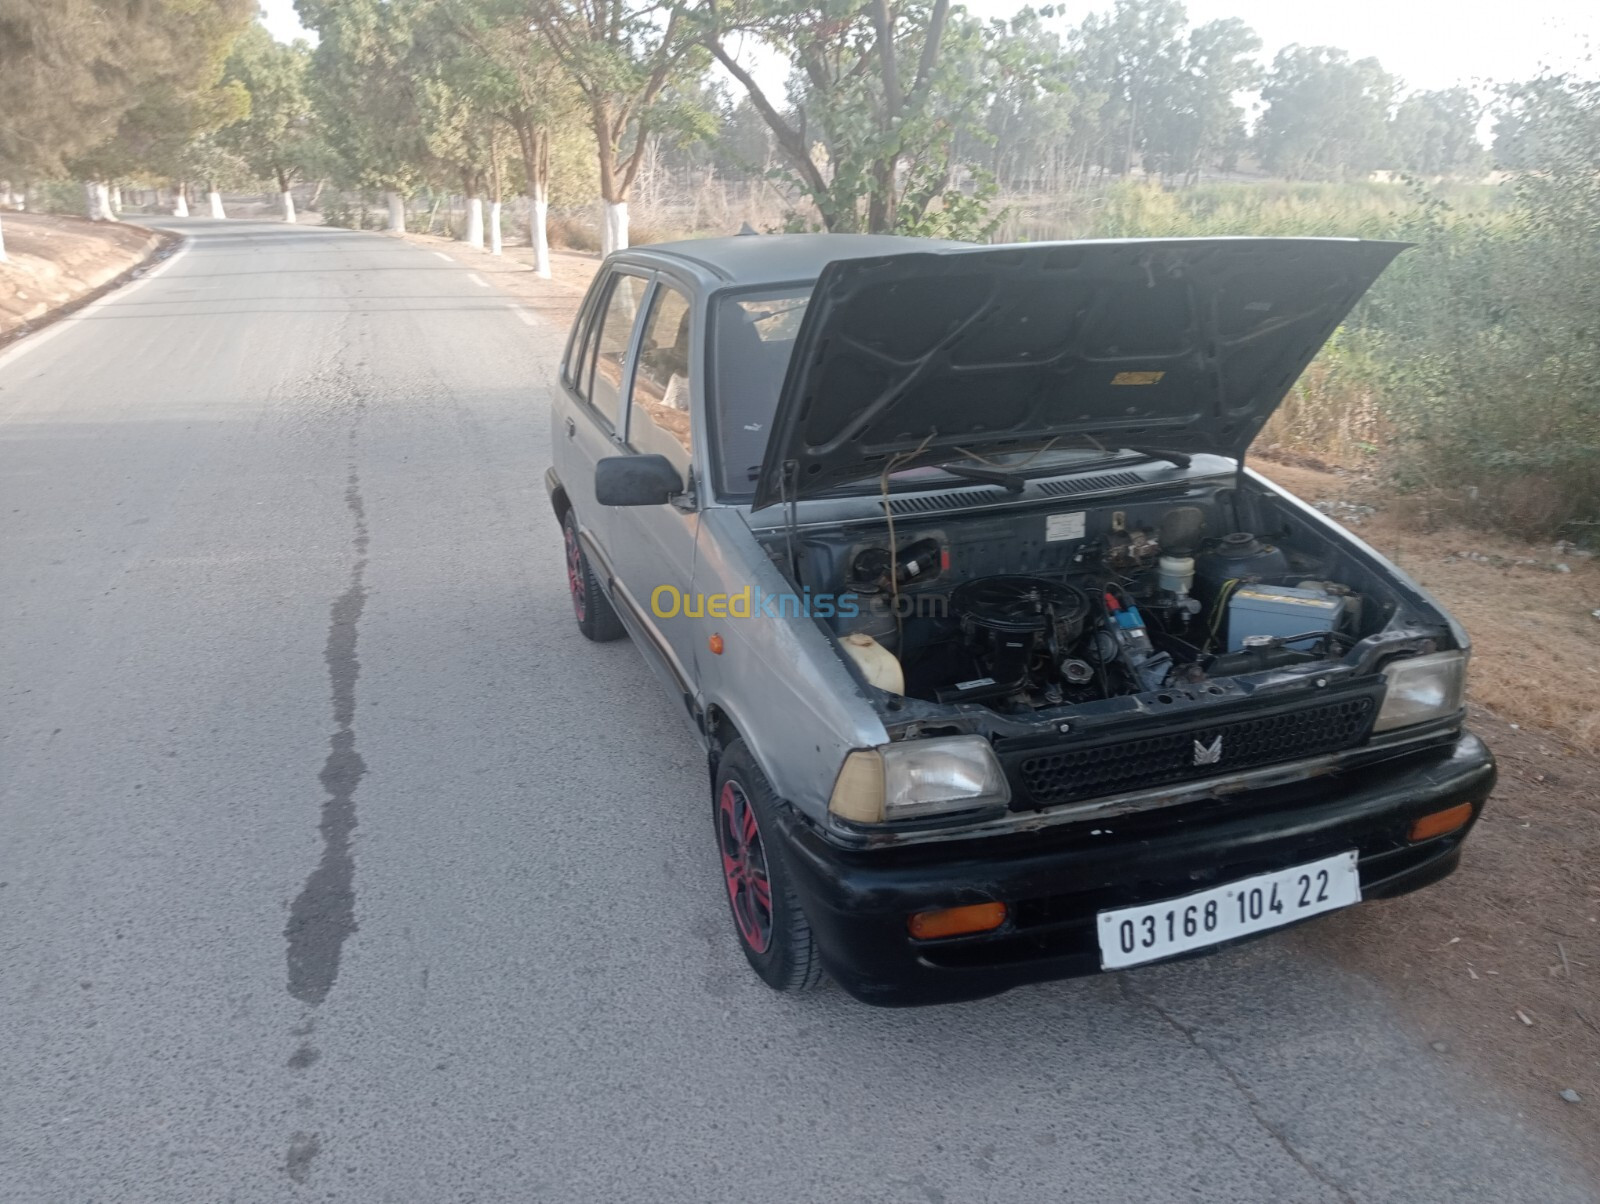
878	665
1175	574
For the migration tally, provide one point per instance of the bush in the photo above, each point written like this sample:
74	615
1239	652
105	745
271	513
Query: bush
1334	412
572	233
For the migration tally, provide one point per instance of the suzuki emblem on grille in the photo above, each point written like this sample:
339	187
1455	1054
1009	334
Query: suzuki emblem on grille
1208	754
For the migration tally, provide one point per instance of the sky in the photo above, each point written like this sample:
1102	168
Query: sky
1428	43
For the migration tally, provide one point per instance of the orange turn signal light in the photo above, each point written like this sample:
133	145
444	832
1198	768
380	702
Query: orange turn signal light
715	644
956	921
1441	822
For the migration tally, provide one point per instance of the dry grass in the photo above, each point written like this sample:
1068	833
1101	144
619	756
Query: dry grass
573	233
1535	642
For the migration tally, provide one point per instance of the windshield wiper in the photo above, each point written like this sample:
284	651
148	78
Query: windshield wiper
995	476
1181	459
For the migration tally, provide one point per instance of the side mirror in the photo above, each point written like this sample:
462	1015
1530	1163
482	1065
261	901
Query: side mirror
636	481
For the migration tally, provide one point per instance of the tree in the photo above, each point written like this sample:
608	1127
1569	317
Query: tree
520	80
1532	118
276	138
1032	106
108	87
1130	62
1436	133
1203	121
1326	116
881	94
363	86
621	55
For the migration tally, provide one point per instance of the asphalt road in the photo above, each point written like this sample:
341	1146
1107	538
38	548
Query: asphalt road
335	865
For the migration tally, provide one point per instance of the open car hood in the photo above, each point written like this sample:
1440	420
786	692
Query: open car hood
1185	345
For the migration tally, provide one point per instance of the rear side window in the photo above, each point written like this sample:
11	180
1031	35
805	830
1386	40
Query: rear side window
603	383
658	417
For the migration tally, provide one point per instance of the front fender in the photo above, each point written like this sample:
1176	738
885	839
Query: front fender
780	680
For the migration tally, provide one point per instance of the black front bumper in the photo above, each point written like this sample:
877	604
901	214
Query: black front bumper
1054	881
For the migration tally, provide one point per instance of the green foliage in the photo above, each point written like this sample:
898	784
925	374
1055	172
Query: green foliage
1326	116
623	57
1492	336
883	98
105	88
966	216
276	139
362	84
1436	133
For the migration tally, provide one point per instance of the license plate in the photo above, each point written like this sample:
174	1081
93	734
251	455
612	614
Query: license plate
1132	935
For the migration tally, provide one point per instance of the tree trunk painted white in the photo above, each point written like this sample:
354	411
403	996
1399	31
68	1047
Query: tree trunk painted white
287	198
495	245
215	198
397	212
613	226
97	201
539	236
116	199
2	240
475	222
180	202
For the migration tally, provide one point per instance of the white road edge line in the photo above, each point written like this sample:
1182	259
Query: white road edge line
477	279
444	257
30	341
530	318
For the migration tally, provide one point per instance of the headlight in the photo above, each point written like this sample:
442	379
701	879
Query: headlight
1422	688
918	778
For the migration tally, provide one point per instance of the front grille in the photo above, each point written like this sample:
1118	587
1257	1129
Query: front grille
1113	766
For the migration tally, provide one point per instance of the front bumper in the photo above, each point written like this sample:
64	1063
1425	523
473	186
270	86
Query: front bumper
1055	881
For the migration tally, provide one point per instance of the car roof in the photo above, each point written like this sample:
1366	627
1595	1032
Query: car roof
780	258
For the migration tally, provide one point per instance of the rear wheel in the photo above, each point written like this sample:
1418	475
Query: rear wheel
767	917
596	619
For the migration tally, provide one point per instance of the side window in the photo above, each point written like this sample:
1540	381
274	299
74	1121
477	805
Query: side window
578	352
603	377
658	413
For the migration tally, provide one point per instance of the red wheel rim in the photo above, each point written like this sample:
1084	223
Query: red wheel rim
575	572
744	867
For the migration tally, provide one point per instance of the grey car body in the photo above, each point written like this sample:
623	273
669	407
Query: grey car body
912	354
779	681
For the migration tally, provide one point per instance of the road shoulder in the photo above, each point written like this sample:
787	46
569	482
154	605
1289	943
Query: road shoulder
58	264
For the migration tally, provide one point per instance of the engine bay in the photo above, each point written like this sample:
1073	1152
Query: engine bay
1031	610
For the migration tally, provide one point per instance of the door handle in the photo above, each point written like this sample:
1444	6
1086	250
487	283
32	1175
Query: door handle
572	428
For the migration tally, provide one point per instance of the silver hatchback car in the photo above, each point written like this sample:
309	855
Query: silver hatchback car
1006	666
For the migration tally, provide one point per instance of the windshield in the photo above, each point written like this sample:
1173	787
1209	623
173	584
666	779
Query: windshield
753	338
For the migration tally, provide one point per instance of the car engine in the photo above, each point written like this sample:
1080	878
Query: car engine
1133	604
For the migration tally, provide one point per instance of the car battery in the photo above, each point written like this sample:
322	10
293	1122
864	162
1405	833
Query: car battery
1276	611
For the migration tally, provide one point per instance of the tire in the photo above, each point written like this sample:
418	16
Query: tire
596	618
767	917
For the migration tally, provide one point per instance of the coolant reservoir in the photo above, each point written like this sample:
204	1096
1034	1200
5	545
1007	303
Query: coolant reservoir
879	666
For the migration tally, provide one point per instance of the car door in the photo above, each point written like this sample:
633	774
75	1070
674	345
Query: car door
588	425
655	544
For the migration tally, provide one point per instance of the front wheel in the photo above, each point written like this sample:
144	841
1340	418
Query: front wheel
767	917
596	619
